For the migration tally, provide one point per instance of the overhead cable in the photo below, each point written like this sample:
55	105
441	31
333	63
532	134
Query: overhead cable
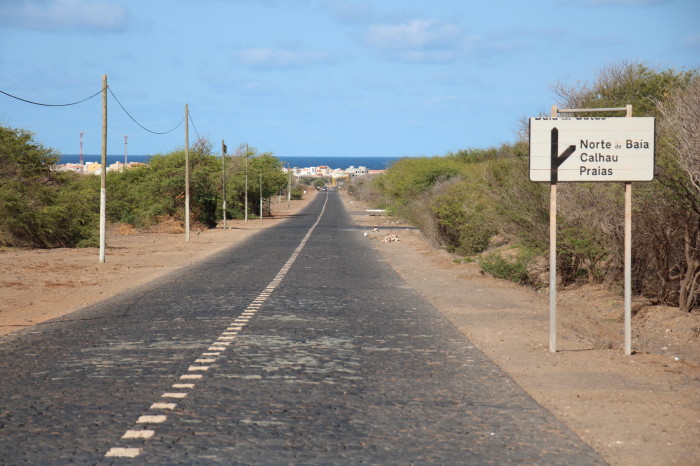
193	126
95	95
134	120
52	105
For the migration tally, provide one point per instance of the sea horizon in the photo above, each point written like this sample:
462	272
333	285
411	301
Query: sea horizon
371	163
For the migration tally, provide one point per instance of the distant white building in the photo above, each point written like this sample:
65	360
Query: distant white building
353	172
326	171
95	168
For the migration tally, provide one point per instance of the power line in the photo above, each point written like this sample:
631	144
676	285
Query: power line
52	105
193	126
95	95
143	127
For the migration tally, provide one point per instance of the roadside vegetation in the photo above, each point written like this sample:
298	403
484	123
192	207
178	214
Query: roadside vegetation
479	203
43	208
40	207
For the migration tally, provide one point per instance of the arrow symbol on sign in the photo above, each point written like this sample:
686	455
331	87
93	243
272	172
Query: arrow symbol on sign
558	159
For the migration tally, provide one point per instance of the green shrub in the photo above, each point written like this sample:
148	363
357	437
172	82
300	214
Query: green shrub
463	221
580	250
297	194
514	269
40	207
409	177
144	196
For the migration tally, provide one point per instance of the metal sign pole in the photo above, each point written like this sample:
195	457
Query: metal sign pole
556	160
553	260
628	259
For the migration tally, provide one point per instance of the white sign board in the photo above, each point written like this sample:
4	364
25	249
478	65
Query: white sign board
591	149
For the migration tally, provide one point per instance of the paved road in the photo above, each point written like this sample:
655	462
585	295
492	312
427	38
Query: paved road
298	347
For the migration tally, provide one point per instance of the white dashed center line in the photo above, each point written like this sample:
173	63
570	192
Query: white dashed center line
139	434
217	347
151	419
163	405
123	452
183	385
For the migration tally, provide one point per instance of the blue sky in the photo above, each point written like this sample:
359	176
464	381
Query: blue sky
319	77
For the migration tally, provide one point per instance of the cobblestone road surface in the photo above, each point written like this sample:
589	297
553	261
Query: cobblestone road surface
299	347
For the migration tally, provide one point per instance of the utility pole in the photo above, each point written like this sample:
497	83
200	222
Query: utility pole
261	200
246	185
289	188
223	178
103	174
126	142
187	174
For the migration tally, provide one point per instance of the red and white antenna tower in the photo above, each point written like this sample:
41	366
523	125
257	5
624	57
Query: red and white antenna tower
82	161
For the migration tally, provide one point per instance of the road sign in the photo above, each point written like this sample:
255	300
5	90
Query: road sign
591	149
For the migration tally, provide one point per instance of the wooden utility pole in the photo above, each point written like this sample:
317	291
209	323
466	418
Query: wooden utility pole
187	173
223	178
246	185
103	175
289	188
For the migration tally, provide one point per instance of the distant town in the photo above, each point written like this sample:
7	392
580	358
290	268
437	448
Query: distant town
323	171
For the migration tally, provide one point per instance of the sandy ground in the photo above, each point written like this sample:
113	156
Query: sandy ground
42	284
638	410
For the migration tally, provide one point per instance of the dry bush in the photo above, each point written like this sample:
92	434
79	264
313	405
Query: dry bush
680	174
680	126
123	229
591	232
666	217
365	189
418	212
166	225
659	249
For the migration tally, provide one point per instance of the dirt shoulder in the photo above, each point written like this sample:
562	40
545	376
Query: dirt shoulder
635	410
41	284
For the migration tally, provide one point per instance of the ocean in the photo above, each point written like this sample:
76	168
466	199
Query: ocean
372	163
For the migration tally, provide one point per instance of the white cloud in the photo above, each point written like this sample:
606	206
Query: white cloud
416	41
477	44
622	2
447	101
282	58
351	12
417	34
692	41
62	15
426	56
270	3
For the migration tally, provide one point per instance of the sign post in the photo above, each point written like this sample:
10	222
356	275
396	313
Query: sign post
591	149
